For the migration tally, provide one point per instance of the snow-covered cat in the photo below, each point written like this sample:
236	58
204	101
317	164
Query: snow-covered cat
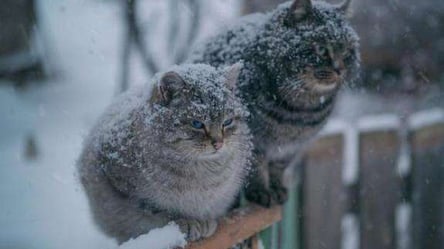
295	58
177	152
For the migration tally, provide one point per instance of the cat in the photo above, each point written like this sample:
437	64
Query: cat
296	58
178	152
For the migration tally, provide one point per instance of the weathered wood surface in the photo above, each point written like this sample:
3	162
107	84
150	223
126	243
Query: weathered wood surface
240	225
323	194
428	187
379	188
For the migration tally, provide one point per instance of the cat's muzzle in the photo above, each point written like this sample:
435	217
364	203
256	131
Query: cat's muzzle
326	79
324	75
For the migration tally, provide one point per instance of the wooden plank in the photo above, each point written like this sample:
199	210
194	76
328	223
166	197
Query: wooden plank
379	188
404	232
255	242
323	194
300	220
291	219
428	187
239	225
267	237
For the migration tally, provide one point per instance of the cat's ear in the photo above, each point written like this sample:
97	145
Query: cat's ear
299	9
232	75
169	84
344	7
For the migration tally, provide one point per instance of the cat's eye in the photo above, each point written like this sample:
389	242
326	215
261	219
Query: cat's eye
197	124
348	53
227	122
322	51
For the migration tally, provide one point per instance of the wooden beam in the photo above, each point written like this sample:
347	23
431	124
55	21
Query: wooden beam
323	194
428	187
255	242
238	226
379	188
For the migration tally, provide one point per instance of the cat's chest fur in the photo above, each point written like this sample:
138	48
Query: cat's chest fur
206	190
140	164
280	140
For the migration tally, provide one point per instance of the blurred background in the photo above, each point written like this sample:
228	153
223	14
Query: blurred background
62	62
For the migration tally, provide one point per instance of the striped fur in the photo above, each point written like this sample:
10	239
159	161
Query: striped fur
296	58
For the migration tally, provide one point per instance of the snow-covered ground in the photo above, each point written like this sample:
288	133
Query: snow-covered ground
42	204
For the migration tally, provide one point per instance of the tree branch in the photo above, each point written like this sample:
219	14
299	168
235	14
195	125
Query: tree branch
131	17
192	32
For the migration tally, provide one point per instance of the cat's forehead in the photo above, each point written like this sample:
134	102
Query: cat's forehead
331	25
336	37
325	25
209	98
204	83
209	108
210	90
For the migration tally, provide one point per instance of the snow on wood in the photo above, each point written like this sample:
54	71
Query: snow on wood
351	146
334	126
350	232
379	122
386	121
404	159
403	221
426	118
350	171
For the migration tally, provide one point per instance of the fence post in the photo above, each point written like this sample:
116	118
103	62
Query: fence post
379	187
428	185
323	194
291	220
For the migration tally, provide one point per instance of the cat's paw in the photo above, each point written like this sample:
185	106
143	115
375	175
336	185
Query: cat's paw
279	194
268	197
197	229
260	196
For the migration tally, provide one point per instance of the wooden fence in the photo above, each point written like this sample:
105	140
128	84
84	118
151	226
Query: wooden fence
375	184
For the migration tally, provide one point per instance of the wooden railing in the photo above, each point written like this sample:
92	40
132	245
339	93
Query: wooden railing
240	225
377	183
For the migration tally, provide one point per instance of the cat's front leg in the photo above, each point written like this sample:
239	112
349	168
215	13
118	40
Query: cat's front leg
256	191
277	187
257	187
265	186
197	229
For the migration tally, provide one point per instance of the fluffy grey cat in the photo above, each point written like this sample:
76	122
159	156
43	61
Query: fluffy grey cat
296	58
178	152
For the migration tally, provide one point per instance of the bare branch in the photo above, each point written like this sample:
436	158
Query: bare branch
178	48
126	54
174	25
131	17
192	32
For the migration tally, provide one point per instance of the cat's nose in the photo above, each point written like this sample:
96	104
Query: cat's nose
323	74
217	144
338	67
